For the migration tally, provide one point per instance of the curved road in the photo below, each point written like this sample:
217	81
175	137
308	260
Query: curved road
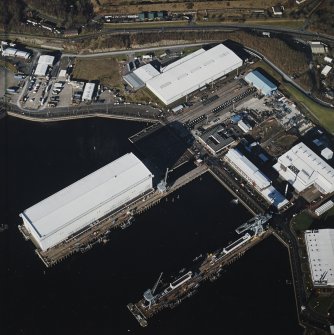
288	79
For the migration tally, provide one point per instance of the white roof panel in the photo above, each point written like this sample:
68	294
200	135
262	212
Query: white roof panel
146	72
320	250
261	182
46	59
193	72
274	197
326	70
41	69
248	168
22	54
88	91
9	52
64	207
183	59
302	168
62	74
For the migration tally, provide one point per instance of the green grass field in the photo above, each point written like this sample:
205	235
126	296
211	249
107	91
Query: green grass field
302	222
324	115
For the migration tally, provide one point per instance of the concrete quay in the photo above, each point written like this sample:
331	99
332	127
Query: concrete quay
98	231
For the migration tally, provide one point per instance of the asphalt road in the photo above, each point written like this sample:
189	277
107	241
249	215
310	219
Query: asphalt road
288	79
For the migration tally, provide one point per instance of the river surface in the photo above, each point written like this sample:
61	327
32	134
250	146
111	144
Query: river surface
88	293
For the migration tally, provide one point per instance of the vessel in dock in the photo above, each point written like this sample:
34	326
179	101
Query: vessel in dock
169	295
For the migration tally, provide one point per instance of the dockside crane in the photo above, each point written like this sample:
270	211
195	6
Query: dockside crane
149	294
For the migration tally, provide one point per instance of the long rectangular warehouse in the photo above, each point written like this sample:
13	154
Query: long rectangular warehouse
193	72
320	251
70	210
256	178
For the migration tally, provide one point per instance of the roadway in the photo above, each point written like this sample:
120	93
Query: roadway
129	112
189	27
283	230
288	79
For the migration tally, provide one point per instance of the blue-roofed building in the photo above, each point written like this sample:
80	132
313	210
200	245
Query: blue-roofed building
262	83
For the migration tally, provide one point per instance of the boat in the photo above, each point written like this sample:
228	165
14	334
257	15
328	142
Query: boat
235	201
128	222
3	227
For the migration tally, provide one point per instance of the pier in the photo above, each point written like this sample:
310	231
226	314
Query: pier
209	268
98	232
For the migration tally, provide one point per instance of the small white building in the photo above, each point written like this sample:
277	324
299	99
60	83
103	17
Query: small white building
328	60
327	153
244	126
326	70
324	208
278	10
320	251
88	92
9	52
147	57
62	74
318	47
76	207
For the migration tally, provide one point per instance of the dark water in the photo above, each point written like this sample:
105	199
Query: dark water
88	293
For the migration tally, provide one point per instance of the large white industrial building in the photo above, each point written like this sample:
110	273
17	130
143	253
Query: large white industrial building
75	207
192	72
320	251
44	61
302	168
255	177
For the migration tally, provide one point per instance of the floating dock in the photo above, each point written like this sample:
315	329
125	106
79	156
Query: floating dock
172	294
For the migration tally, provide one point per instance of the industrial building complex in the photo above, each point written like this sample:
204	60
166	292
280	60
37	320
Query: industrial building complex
193	72
71	210
187	74
302	168
262	83
255	177
320	250
217	114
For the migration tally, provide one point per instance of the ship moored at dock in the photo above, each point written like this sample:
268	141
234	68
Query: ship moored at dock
186	285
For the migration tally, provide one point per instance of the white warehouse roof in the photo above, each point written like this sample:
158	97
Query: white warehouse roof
146	72
302	168
249	171
193	72
46	59
87	94
64	213
9	52
326	70
248	168
41	69
320	250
